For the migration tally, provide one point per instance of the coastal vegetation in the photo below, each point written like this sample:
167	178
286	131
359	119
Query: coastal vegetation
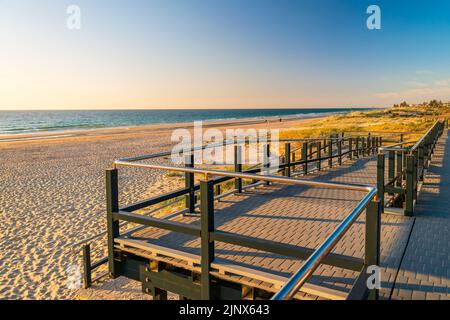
410	119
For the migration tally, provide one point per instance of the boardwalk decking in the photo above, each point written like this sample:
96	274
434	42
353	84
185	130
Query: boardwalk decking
296	215
425	269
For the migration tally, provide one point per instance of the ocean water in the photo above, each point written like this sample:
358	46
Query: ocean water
17	122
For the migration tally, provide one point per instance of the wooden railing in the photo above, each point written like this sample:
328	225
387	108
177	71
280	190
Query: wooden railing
406	166
209	234
307	156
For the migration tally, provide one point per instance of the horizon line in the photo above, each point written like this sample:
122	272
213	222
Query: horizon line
209	109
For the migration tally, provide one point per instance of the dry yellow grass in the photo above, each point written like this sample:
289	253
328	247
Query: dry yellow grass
411	120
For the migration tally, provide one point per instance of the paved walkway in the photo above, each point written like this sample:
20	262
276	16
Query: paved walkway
425	269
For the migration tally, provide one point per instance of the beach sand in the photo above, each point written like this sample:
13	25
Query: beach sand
52	196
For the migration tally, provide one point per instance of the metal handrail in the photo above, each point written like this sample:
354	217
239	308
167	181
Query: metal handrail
419	142
380	132
394	147
268	178
225	143
293	285
413	147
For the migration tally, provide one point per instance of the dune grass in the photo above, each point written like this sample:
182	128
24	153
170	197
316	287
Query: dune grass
412	120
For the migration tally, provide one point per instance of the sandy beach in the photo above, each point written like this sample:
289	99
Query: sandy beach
52	195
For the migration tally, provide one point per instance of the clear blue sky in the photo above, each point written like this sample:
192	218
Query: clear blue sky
222	53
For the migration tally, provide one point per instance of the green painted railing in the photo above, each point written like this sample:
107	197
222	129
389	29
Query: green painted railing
405	169
307	156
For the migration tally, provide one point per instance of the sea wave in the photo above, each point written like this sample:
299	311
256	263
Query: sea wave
23	122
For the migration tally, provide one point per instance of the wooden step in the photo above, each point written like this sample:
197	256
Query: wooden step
276	280
226	267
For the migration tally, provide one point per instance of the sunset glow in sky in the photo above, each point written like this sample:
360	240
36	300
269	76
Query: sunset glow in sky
222	54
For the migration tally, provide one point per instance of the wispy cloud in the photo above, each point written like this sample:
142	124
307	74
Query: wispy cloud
415	83
423	72
439	89
443	83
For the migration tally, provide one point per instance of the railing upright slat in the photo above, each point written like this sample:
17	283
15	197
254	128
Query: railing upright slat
238	167
330	153
319	156
409	201
190	183
391	167
380	178
363	147
266	160
305	158
374	145
350	148
207	244
287	157
399	166
415	174
421	160
112	206
293	161
87	274
372	245
339	151
357	149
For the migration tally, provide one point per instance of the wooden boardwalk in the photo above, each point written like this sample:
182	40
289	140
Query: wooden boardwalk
249	243
295	215
425	269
